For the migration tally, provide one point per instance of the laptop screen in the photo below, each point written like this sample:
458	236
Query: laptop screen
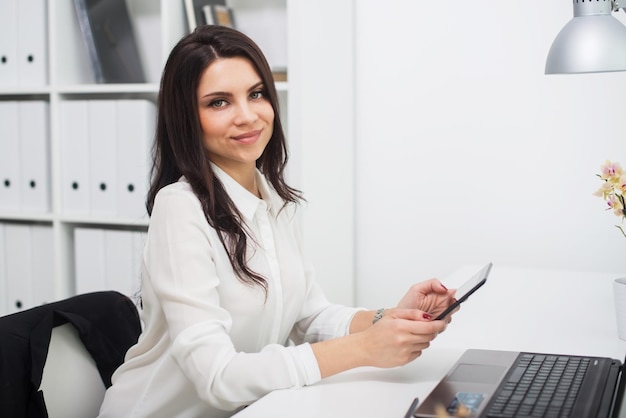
619	409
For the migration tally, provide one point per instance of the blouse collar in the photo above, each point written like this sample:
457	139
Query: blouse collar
247	203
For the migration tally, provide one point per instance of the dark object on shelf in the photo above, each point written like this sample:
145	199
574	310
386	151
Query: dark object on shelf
195	12
218	15
279	73
110	41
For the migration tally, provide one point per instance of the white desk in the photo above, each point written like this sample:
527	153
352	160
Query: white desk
517	309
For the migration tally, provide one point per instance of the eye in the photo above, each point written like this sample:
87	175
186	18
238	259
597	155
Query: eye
217	103
258	94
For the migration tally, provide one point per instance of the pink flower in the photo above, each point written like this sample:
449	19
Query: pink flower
613	189
616	205
604	191
610	171
621	184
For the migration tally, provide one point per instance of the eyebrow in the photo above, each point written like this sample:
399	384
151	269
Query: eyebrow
227	94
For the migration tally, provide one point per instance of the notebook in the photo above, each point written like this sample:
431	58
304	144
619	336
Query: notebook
108	34
498	384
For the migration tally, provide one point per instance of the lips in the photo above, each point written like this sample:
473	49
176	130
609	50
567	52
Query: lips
248	137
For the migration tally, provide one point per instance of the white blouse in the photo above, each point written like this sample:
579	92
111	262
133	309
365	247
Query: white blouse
211	343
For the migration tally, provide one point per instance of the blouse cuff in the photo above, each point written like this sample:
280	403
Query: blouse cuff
309	372
346	326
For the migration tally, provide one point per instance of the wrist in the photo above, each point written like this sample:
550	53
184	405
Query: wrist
341	354
378	315
361	321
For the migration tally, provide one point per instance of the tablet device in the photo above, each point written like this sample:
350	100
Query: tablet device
469	287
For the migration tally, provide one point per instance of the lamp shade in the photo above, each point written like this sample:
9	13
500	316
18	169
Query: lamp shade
587	44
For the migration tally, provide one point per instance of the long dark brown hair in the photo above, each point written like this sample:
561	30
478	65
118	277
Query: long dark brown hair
178	148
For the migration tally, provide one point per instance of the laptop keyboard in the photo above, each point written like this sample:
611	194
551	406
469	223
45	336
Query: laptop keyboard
540	386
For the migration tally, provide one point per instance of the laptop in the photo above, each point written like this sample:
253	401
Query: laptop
499	384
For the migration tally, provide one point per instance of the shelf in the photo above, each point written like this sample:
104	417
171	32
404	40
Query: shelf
9	93
73	220
26	217
104	222
150	88
158	26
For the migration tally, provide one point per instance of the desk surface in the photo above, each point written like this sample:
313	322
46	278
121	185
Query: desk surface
517	309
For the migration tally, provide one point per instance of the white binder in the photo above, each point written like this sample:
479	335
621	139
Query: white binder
108	260
32	48
34	156
42	260
8	43
135	131
9	157
75	183
89	260
18	266
139	242
120	262
4	308
103	157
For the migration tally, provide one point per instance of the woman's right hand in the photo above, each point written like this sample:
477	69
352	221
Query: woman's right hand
399	337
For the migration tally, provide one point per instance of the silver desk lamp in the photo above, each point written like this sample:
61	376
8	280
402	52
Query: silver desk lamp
593	41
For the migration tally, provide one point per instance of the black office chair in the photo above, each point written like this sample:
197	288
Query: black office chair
57	359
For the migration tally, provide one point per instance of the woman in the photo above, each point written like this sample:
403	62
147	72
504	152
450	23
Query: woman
230	307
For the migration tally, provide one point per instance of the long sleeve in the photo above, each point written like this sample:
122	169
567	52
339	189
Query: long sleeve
318	319
188	281
212	343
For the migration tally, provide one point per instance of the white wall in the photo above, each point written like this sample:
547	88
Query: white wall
466	152
321	129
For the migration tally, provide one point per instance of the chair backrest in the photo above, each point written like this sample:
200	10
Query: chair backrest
56	359
71	384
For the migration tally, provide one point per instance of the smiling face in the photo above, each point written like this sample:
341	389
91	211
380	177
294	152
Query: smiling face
236	117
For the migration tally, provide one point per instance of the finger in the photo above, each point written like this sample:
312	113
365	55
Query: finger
426	331
437	287
410	314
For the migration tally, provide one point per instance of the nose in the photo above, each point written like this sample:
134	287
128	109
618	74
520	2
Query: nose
245	114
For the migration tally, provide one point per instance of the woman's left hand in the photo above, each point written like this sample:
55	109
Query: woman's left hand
429	296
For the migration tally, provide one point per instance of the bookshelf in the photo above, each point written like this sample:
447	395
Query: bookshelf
66	81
